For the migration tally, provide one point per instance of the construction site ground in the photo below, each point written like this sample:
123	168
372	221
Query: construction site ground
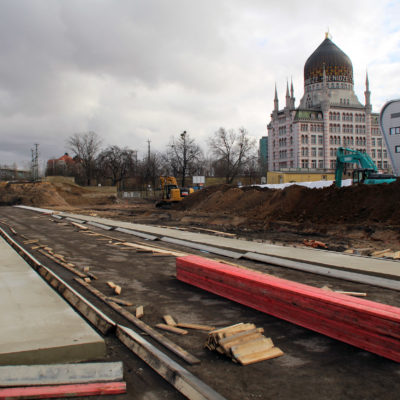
356	219
313	366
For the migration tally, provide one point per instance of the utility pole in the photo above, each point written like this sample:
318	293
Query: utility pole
148	149
35	162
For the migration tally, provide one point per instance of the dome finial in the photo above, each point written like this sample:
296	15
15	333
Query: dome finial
328	34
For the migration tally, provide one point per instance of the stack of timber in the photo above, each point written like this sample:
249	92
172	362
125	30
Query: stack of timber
244	343
362	323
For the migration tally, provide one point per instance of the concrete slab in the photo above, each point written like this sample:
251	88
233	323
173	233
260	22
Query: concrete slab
37	325
314	256
59	374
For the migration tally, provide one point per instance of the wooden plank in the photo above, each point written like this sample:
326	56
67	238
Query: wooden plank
261	356
182	379
139	312
252	346
61	391
80	226
155	249
179	351
173	329
111	284
63	264
241	337
120	301
58	374
195	326
169	320
117	289
371	326
30	241
358	294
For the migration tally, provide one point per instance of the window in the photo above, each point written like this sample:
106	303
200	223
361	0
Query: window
320	140
379	142
395	130
320	152
374	153
373	142
314	164
313	139
304	127
321	164
313	151
397	149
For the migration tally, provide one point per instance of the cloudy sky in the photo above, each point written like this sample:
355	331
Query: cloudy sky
138	70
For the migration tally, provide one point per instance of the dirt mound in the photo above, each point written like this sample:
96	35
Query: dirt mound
46	194
355	204
41	194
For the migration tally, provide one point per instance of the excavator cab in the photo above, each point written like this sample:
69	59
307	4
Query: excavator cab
170	192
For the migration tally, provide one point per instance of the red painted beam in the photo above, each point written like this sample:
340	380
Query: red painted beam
60	391
366	324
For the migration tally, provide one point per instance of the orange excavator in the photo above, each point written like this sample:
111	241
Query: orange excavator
171	193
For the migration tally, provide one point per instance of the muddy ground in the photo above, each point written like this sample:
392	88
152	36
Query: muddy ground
313	366
363	217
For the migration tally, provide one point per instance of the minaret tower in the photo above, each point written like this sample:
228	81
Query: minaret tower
287	95
292	98
367	93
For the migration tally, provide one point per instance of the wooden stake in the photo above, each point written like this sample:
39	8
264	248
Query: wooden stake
139	312
169	320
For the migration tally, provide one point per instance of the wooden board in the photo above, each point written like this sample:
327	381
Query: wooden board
169	320
179	351
173	329
48	392
195	326
368	325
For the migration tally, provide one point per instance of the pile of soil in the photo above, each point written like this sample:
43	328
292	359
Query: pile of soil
361	204
46	194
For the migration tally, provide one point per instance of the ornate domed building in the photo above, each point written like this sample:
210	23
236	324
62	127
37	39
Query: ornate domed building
329	116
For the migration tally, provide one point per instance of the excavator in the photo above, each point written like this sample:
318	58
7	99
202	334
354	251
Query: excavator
171	193
367	174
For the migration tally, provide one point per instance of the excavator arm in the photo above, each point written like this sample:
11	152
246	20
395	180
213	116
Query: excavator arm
364	161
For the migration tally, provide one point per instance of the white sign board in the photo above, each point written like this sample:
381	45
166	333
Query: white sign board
199	180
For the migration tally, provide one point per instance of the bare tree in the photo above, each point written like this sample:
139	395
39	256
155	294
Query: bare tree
116	163
85	146
149	169
183	155
232	151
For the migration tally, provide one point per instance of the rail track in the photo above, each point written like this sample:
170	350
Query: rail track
147	278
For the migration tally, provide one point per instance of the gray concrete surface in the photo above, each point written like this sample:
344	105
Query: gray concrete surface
37	325
60	374
321	257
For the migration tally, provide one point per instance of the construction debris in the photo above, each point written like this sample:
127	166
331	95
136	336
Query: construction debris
243	343
340	317
356	294
315	244
169	320
120	301
139	312
199	327
381	253
173	329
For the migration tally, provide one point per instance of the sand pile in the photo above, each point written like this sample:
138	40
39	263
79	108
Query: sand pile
355	204
46	194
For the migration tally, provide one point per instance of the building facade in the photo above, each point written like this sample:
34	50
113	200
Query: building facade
389	120
329	116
